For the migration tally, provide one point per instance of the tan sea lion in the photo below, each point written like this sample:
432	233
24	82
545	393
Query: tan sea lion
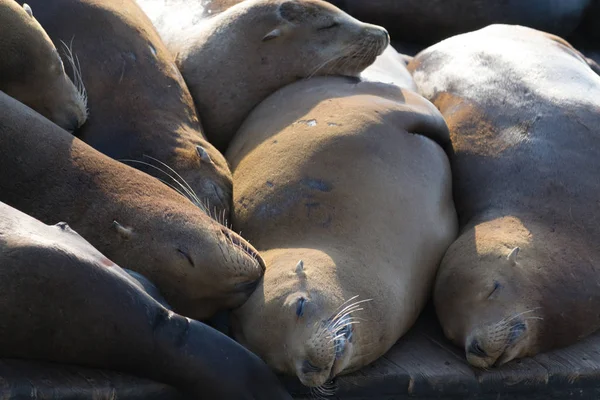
62	300
430	21
341	187
236	59
32	71
199	265
139	104
523	111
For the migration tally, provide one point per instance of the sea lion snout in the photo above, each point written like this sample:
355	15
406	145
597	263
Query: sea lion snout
495	344
380	34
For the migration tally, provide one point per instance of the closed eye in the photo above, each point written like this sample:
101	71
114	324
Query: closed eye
300	306
186	255
497	285
330	26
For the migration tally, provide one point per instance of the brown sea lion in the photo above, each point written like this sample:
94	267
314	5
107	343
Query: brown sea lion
32	71
62	300
199	265
523	111
430	21
236	59
340	185
139	103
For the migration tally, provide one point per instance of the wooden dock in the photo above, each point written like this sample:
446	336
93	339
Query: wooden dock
422	365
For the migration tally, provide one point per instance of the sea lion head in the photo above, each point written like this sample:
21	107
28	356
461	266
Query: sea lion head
301	322
483	296
33	72
200	265
205	170
317	38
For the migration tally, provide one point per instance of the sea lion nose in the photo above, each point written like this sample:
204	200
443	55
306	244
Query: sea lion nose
386	36
475	349
381	33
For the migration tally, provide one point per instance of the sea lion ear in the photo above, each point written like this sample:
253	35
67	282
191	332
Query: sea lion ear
274	34
28	9
300	267
125	233
203	154
512	257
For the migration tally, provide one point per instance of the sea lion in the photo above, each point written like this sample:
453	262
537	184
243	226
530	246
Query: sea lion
32	71
237	58
522	108
99	317
199	265
341	187
430	21
140	107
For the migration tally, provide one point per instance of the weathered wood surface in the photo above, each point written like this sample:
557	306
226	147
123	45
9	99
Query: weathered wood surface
422	365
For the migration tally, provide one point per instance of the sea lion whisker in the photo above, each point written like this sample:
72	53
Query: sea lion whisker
195	201
342	321
522	313
337	316
172	187
77	77
183	181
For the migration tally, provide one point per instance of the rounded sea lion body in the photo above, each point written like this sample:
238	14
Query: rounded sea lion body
140	107
32	71
341	187
522	108
63	301
234	60
199	265
430	21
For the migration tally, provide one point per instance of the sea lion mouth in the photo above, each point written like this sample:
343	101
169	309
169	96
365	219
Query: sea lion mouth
240	244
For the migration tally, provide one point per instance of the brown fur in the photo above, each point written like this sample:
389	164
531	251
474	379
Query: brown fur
199	265
139	103
63	301
32	72
522	108
236	59
345	177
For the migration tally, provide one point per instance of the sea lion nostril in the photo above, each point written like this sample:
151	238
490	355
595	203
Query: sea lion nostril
308	368
475	349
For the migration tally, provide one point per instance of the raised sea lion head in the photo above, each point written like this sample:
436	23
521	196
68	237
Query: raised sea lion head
32	71
252	49
300	319
483	296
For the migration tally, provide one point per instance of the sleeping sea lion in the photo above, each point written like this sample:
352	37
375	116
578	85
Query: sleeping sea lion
343	187
523	111
237	58
199	266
